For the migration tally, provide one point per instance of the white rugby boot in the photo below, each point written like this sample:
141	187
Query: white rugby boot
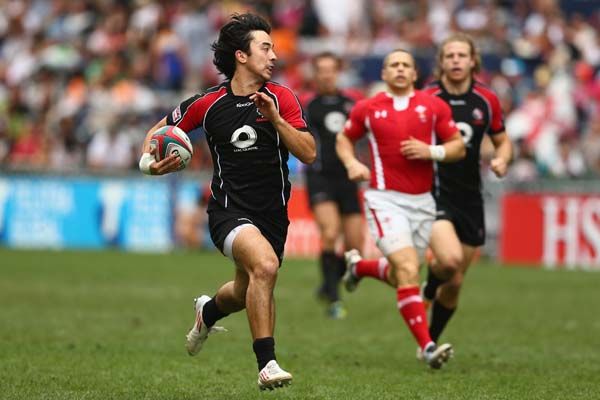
435	356
199	332
273	377
350	280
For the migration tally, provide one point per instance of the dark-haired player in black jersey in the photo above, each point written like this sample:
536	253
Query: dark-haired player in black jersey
251	124
459	228
332	196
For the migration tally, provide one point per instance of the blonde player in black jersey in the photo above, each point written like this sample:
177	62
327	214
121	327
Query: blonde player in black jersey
459	228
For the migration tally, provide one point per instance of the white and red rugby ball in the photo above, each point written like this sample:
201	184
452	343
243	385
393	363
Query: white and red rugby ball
171	140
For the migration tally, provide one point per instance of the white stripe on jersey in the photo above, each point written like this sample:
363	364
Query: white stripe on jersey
219	165
379	175
436	178
279	151
215	147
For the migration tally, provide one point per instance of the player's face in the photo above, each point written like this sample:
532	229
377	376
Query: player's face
261	60
399	72
326	74
457	62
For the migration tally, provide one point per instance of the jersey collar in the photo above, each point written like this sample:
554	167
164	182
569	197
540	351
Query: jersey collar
445	91
230	92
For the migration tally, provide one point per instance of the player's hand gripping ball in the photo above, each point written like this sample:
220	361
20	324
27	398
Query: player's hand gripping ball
171	140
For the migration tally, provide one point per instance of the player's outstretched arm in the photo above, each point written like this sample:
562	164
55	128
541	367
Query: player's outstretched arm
148	163
300	144
344	148
503	154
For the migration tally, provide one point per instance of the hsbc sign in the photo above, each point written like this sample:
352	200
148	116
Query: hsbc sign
553	230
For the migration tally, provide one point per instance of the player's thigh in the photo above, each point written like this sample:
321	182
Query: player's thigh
253	252
354	235
404	266
421	214
445	243
327	217
389	223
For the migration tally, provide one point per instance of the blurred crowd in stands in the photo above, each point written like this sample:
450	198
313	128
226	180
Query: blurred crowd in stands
81	81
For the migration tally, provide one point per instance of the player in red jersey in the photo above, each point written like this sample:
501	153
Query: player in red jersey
251	125
400	124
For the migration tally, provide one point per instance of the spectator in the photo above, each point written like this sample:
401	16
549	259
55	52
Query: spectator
110	148
591	145
74	59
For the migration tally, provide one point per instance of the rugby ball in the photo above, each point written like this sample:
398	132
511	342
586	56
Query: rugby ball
171	140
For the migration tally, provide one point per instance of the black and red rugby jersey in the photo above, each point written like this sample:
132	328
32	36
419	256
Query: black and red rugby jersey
476	112
250	169
326	115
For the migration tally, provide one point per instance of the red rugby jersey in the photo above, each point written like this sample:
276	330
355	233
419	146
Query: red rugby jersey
388	120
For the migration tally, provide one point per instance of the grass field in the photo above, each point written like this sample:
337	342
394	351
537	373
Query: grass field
110	325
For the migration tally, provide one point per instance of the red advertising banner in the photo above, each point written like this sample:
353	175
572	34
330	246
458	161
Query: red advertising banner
303	234
551	230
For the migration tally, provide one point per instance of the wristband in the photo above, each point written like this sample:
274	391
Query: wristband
145	161
438	152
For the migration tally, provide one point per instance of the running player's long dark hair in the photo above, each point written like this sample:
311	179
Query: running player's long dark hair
235	35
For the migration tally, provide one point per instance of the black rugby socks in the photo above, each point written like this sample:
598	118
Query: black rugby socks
329	269
264	348
440	316
211	313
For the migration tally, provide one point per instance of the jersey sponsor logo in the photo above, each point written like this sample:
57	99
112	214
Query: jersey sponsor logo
176	114
457	102
334	121
380	114
244	138
247	104
420	110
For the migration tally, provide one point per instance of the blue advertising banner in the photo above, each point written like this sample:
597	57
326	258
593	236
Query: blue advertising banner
91	212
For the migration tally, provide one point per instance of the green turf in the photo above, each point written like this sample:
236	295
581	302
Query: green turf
110	325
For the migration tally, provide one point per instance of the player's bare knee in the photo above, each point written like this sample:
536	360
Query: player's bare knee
404	274
328	238
266	269
446	271
448	265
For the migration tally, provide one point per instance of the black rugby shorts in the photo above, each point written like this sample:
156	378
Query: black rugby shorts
342	191
273	225
468	220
